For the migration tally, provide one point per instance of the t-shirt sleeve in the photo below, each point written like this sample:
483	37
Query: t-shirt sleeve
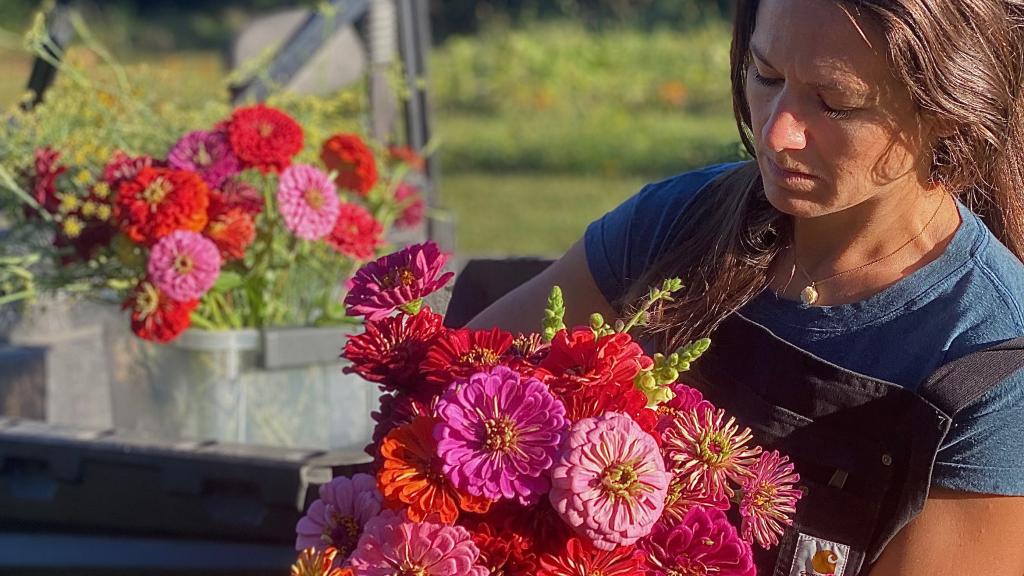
983	451
623	243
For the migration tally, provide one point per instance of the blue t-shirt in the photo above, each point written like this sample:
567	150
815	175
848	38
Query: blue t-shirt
969	298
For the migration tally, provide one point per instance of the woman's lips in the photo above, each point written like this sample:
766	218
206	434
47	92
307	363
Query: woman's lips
788	178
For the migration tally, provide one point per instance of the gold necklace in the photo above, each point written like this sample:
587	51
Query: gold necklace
809	295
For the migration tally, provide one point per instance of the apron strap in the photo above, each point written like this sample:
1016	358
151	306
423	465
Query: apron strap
955	385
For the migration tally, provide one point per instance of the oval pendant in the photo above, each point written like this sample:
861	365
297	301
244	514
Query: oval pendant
809	295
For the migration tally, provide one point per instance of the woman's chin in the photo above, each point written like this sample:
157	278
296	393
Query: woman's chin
798	204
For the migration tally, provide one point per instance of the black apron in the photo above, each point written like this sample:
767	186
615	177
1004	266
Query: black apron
864	448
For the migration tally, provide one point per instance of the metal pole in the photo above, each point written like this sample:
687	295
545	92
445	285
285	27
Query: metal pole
60	31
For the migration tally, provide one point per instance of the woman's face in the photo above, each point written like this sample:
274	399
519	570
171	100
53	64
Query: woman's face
832	126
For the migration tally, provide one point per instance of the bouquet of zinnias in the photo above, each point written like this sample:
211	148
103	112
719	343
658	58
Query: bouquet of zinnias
566	452
240	225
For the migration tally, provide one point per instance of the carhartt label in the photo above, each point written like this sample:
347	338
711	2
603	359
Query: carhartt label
818	557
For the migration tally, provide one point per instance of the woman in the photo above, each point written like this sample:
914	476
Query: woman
861	280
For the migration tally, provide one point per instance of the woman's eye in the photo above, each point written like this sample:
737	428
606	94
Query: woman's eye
765	81
835	114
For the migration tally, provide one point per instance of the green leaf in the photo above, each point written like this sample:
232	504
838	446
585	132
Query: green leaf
227	281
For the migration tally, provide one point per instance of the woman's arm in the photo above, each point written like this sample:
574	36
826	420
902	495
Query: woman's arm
959	534
522	309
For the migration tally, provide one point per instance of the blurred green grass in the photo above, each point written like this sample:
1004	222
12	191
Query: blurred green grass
536	214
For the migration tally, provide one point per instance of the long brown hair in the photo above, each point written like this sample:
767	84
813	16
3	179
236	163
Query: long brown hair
963	61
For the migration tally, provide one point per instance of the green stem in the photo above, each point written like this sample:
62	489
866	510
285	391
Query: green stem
17	296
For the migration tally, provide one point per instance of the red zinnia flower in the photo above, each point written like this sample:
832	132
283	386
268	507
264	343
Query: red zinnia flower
538	525
395	410
581	559
578	360
264	138
124	167
390	350
464	352
356	233
353	160
47	169
236	194
232	231
159	201
155	316
407	156
505	552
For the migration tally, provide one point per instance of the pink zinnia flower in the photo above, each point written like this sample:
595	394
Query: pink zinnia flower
397	280
308	202
184	265
391	544
769	499
610	482
705	452
207	154
499	434
704	543
408	196
337	518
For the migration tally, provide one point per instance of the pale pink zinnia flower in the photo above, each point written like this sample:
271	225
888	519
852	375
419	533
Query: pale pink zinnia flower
499	434
308	201
337	518
184	265
397	280
769	499
610	481
391	545
704	451
703	543
207	154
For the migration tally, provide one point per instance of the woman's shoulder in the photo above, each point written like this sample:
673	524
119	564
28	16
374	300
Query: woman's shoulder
624	242
990	297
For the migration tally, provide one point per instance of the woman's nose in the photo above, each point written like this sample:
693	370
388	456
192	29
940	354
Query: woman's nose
783	130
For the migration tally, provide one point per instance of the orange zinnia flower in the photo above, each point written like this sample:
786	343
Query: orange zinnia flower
411	475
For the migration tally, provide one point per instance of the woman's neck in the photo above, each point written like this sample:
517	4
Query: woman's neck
902	231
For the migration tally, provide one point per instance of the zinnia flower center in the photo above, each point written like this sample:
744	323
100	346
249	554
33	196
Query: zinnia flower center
183	264
502	435
401	277
479	357
314	197
410	570
763	497
714	449
156	191
620	479
689	567
202	156
344	535
147	301
265	129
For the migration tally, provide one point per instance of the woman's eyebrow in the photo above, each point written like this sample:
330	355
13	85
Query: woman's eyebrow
827	85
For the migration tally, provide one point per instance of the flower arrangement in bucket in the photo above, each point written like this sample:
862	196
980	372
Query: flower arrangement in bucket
246	218
563	452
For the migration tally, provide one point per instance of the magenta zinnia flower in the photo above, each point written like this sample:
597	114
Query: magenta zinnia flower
705	453
397	280
337	518
769	499
610	481
704	543
207	154
391	544
499	434
184	265
308	202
